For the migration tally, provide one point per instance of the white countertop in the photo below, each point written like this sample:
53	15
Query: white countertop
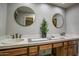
26	43
13	45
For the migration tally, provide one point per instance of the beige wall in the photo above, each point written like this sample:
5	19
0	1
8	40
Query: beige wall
3	15
72	19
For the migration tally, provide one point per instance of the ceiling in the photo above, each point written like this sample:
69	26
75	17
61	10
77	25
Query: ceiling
64	5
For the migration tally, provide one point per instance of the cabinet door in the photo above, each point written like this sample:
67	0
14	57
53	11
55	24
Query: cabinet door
70	50
58	51
45	50
65	51
75	50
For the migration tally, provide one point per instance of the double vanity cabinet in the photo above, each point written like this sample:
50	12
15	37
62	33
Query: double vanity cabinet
66	48
59	48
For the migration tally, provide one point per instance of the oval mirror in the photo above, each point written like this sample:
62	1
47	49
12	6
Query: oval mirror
57	20
24	16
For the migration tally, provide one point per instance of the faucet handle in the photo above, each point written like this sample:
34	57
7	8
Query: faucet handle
12	36
20	36
16	35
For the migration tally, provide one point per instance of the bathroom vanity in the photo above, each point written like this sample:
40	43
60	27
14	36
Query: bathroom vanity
64	48
58	47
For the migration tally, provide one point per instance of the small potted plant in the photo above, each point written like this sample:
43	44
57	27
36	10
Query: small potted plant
44	28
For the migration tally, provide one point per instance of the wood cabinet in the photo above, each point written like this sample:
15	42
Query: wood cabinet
14	52
70	48
65	48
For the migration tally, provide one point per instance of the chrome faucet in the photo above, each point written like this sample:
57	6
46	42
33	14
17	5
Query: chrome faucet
16	36
62	34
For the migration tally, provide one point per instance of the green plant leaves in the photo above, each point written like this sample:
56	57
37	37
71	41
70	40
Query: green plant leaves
44	26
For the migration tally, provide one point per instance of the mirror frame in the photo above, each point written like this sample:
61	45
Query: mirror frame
18	22
62	20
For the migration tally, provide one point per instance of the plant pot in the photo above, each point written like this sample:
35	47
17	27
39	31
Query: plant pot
44	35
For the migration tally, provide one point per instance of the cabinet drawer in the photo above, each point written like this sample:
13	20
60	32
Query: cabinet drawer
42	47
33	49
65	43
72	42
14	52
57	45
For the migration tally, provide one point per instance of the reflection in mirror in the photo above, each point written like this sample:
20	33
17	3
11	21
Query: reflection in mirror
57	20
24	16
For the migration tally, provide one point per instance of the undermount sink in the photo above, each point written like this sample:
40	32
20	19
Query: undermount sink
37	39
7	41
60	38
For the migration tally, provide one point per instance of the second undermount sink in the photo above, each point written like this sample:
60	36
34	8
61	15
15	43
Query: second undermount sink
37	39
60	37
7	41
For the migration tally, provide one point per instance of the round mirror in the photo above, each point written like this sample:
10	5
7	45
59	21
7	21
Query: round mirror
57	20
24	16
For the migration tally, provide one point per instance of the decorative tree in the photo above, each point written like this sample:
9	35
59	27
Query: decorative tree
44	28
